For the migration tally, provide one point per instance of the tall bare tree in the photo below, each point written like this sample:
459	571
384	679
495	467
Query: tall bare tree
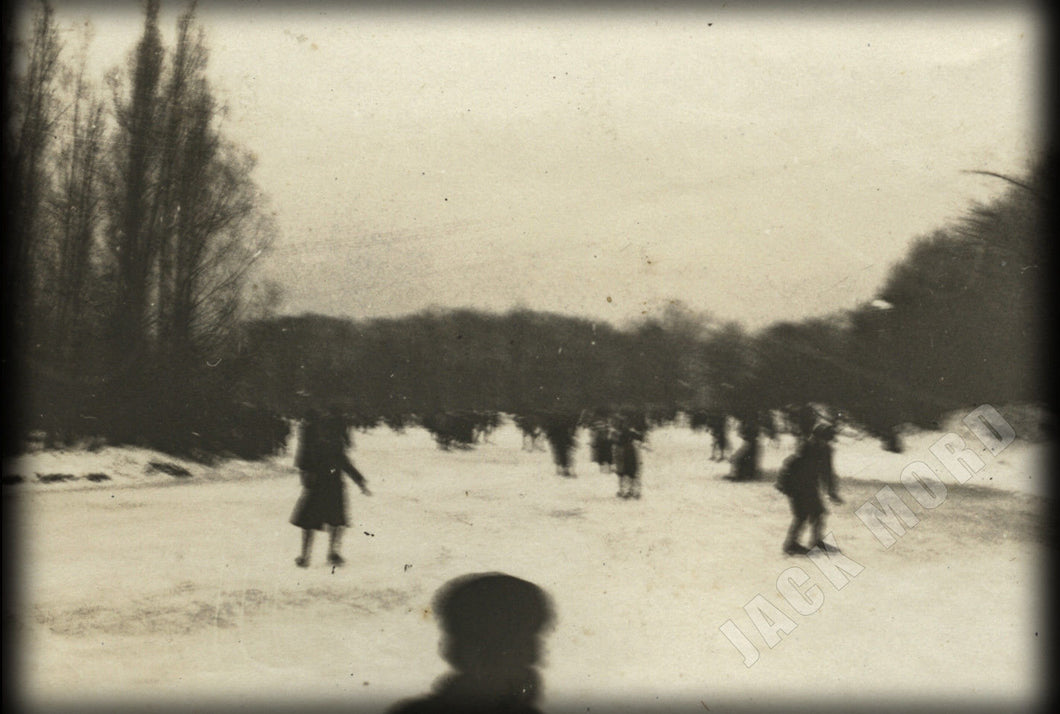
132	238
184	75
64	246
187	220
75	206
217	229
32	128
31	70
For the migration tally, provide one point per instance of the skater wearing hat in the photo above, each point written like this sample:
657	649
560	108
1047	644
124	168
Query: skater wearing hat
801	478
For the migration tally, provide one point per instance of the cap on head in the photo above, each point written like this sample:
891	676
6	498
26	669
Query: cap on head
492	620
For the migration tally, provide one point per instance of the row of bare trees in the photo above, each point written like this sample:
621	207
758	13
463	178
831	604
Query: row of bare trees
133	227
440	361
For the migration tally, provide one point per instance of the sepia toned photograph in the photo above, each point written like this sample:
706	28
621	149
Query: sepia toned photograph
526	358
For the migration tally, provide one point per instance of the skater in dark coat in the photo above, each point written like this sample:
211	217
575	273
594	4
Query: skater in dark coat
801	478
560	430
627	459
600	445
716	425
745	460
322	460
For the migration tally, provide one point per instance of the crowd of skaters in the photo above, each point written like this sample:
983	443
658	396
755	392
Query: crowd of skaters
616	438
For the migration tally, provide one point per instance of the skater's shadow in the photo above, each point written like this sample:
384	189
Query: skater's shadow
492	626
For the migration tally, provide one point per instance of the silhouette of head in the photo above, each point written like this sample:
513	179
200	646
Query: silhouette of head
491	621
491	627
492	624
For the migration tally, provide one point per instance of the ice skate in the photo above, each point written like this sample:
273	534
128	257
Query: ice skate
827	547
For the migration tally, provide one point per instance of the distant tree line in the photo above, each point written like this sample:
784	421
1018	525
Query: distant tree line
462	360
133	224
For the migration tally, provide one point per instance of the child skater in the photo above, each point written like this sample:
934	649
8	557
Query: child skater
322	460
801	478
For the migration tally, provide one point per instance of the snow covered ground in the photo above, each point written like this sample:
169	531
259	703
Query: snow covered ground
150	587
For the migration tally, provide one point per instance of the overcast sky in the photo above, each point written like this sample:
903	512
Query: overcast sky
760	164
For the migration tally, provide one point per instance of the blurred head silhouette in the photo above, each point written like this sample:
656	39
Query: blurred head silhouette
491	621
491	636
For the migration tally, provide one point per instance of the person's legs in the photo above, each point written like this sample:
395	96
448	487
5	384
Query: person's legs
791	542
335	540
818	535
307	546
634	487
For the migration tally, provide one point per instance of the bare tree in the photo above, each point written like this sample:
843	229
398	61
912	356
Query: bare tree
62	260
75	207
238	235
182	103
32	127
187	223
213	229
28	126
132	239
